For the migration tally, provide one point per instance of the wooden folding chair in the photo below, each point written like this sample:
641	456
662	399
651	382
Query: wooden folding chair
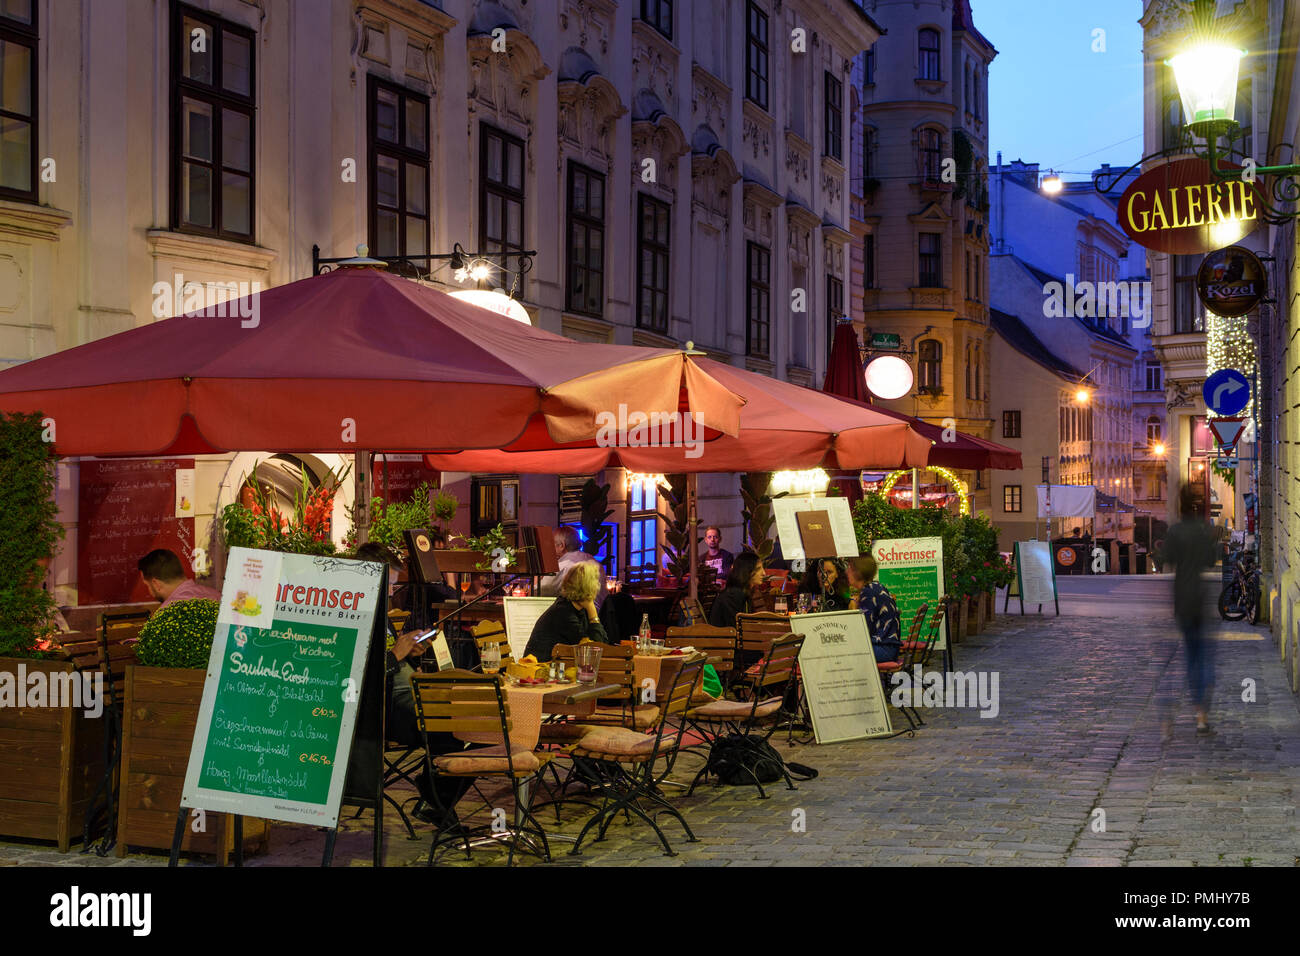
718	643
463	702
616	667
757	632
910	648
399	620
492	634
108	654
740	719
620	762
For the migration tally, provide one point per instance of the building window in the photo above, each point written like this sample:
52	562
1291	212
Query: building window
870	66
834	121
929	55
929	366
970	369
758	318
659	14
868	152
399	171
501	195
585	291
1171	112
212	126
966	89
1011	499
975	94
18	49
929	271
652	264
869	261
756	54
642	530
1011	423
834	309
979	372
1155	377
1188	314
1154	431
930	142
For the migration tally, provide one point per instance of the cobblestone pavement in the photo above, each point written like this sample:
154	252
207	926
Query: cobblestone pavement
1078	731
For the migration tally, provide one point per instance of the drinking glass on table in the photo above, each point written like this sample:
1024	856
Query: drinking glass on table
804	603
656	648
491	657
782	606
588	660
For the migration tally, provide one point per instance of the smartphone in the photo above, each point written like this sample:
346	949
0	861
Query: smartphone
421	638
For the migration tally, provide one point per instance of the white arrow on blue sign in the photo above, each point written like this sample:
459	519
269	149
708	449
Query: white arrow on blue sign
1226	392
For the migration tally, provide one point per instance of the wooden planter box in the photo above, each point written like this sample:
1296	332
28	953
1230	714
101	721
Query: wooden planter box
963	621
161	712
976	613
991	606
51	762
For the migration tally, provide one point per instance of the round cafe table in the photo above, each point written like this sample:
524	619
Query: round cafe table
530	702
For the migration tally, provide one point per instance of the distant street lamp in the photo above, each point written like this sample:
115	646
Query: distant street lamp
1051	184
1158	449
1082	396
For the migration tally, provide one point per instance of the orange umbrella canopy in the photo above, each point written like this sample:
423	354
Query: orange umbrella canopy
782	426
356	358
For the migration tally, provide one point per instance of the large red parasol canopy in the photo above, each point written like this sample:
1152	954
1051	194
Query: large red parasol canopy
782	426
353	359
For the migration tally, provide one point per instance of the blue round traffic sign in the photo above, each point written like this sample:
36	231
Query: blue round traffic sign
1226	392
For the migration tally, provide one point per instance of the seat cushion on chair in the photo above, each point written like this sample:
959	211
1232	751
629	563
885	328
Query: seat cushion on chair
566	732
888	667
615	742
644	716
735	709
488	760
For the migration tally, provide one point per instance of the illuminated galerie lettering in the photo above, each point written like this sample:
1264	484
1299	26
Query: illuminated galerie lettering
1180	207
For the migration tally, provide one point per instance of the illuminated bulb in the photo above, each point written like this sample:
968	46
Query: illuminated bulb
460	275
1158	449
1052	184
1081	396
480	271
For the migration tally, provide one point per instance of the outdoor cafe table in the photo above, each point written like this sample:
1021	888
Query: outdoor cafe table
529	702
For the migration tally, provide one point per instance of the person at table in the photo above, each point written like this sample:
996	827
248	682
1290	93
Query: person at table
568	548
825	581
164	577
573	617
744	581
401	723
874	600
715	555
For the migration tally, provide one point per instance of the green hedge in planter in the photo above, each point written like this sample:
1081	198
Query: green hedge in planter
179	635
971	561
29	532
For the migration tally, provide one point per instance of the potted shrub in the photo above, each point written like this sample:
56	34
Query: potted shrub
51	752
427	507
161	711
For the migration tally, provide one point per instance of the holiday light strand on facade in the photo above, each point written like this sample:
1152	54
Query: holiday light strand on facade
1228	345
800	482
963	490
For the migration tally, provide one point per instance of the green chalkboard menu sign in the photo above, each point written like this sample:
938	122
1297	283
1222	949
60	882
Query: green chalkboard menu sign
912	570
284	678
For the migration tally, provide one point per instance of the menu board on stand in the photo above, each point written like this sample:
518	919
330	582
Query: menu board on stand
912	570
284	687
1035	581
840	677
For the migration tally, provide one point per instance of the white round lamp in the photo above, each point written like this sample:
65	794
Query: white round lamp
888	376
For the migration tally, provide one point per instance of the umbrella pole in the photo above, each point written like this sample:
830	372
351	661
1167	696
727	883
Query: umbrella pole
916	490
692	518
360	497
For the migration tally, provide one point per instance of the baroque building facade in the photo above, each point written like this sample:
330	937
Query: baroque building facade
920	209
681	170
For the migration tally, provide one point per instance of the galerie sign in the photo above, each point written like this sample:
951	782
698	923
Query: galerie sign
284	677
1180	208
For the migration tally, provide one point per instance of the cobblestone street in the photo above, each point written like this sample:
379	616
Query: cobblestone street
1078	732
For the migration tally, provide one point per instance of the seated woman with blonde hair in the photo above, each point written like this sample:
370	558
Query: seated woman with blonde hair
573	615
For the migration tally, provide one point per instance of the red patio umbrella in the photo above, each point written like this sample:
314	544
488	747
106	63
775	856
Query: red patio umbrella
353	359
782	426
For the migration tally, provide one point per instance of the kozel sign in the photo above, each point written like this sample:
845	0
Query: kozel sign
1180	209
1231	281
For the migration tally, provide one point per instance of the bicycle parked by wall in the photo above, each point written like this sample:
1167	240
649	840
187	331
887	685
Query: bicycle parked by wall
1239	598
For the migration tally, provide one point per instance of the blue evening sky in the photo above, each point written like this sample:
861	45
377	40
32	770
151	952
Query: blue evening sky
1054	101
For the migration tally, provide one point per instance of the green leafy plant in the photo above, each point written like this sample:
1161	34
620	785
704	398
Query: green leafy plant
179	635
260	524
29	534
972	563
756	512
679	537
427	507
498	554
